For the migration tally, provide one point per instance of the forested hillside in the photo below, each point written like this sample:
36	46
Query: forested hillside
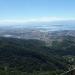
26	57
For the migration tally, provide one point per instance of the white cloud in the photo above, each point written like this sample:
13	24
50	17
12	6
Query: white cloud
33	20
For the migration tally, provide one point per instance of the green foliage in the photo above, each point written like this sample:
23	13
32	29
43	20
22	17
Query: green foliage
27	56
34	57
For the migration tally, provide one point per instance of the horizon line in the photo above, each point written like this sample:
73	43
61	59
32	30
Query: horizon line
34	20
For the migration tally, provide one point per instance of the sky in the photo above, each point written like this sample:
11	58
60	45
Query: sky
36	10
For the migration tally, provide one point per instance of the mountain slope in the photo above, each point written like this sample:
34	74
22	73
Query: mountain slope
28	56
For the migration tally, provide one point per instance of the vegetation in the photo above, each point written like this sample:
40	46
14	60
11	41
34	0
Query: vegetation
34	57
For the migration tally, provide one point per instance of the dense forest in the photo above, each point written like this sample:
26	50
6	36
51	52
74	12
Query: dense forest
35	57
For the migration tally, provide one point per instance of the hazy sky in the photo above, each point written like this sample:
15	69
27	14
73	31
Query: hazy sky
36	9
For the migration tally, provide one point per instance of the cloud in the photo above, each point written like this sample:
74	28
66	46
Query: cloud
33	20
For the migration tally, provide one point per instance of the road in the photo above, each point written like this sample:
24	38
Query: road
65	73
